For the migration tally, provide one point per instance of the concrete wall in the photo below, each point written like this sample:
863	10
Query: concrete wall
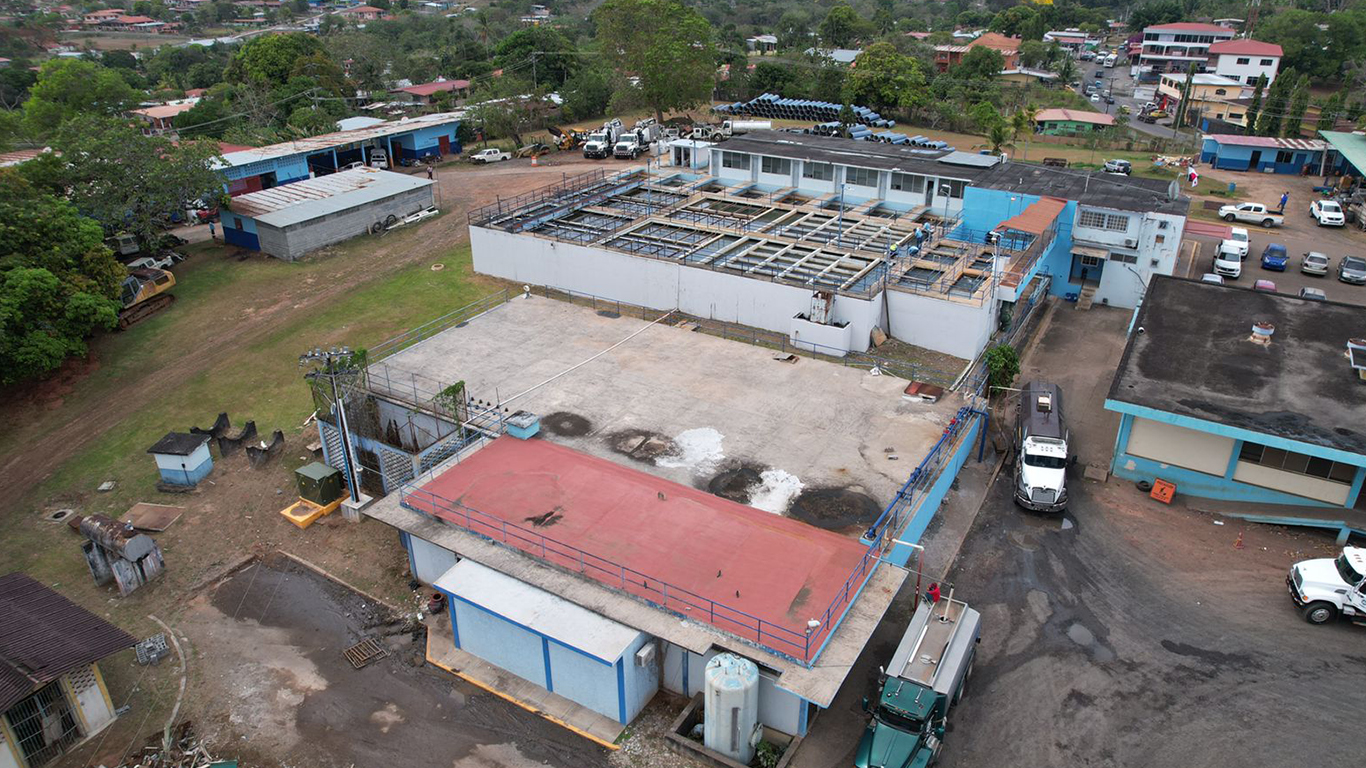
1237	482
1235	157
639	684
954	328
240	231
660	284
298	239
684	672
583	679
426	561
90	694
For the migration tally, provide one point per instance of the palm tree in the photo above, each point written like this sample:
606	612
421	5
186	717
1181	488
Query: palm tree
998	138
1066	69
1022	122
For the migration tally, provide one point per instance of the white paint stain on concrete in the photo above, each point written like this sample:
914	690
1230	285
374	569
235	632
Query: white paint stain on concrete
775	491
696	449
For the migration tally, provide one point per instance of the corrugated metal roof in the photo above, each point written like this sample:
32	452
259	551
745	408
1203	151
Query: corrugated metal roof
339	138
43	635
1233	139
1037	218
304	200
1351	146
1074	116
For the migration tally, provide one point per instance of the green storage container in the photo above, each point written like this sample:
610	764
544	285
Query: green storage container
319	483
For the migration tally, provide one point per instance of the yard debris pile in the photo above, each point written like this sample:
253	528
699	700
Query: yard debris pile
176	747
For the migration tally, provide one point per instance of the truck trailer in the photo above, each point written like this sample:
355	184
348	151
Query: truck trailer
1041	449
925	678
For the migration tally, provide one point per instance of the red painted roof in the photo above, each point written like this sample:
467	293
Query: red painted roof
780	570
1188	26
427	89
1247	47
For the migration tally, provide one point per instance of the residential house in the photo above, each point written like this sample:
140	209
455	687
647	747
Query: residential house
948	56
1070	40
362	13
1174	47
98	17
427	93
1246	60
762	44
1210	96
1066	122
160	119
52	695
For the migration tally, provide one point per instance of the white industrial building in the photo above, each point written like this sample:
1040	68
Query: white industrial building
824	239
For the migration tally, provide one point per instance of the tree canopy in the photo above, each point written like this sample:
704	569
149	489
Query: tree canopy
882	77
554	56
664	43
271	59
67	88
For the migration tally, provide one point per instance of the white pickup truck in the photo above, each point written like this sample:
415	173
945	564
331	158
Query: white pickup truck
1326	588
490	155
1252	213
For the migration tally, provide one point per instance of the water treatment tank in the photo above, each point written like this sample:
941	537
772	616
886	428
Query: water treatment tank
731	709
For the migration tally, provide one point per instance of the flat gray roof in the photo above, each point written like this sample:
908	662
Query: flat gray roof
304	200
862	154
1194	359
1091	188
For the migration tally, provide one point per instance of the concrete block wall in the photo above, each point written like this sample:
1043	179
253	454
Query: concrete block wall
954	328
661	284
298	239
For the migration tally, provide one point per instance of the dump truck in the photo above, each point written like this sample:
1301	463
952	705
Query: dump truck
144	293
926	676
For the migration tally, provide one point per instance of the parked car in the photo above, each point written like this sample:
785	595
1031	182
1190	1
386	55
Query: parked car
490	155
1109	99
1251	213
1210	277
1352	269
1327	213
1275	258
1119	166
1314	263
1095	97
1159	114
1313	294
1238	242
1228	263
1267	286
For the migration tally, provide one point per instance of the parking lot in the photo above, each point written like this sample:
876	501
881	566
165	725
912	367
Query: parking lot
1132	633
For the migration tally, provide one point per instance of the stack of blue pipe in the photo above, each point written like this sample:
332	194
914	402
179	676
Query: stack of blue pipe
775	107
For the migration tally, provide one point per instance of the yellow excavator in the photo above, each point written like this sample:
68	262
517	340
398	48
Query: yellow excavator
145	292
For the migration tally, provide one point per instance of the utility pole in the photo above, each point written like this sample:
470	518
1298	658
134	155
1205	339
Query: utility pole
334	363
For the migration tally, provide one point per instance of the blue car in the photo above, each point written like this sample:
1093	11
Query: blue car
1275	258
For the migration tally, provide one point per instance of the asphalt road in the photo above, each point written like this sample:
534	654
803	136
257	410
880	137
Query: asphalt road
1116	80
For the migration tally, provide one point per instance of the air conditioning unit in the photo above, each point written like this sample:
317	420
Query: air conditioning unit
1131	243
645	657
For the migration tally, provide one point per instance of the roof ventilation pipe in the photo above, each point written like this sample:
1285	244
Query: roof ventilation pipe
1261	333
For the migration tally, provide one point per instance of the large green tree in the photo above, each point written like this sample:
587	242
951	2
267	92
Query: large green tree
271	59
58	283
980	63
125	180
542	52
1299	103
1277	102
884	78
68	88
842	27
664	43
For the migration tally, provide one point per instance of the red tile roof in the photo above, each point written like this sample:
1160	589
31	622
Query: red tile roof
997	41
436	86
1247	47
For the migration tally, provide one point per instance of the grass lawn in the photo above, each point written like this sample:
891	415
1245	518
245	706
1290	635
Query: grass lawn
260	381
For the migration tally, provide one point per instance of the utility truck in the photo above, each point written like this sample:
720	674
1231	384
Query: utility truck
925	678
628	147
1041	448
600	142
1329	587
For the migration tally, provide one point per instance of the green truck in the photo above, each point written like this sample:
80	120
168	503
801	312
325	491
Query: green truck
926	676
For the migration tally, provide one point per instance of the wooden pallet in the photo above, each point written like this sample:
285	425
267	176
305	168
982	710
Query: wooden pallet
365	652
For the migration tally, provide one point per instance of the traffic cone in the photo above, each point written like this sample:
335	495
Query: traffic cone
1238	543
534	161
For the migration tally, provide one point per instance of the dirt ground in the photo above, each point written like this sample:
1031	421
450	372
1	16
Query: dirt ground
267	655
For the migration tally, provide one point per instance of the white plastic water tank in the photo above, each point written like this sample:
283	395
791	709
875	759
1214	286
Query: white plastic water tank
731	708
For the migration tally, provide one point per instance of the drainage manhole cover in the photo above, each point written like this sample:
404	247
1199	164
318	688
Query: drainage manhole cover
834	508
736	484
566	424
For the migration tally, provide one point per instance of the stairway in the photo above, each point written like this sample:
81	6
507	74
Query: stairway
1087	297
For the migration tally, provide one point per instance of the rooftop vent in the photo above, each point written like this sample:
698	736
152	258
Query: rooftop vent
1356	355
1261	333
1045	404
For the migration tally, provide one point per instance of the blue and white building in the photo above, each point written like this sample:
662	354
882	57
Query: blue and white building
1263	154
182	458
1268	416
251	170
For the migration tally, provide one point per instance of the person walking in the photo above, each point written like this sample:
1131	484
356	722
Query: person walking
429	170
212	236
1285	198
